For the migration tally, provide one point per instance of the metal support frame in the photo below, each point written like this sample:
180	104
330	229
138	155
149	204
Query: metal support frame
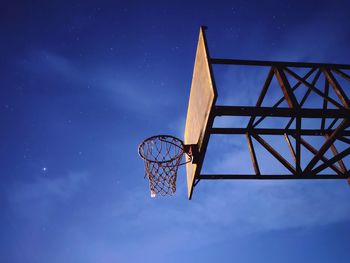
335	111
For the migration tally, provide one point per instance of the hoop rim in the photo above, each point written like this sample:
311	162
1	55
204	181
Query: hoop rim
179	155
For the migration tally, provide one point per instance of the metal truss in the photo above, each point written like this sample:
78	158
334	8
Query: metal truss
333	116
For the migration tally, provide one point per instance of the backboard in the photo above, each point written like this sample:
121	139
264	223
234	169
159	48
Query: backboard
200	109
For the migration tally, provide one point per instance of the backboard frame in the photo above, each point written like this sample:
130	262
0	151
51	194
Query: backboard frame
200	114
197	132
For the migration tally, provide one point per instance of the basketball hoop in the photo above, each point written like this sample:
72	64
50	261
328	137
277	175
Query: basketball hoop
162	155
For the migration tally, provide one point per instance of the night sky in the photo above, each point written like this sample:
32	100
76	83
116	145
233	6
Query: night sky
84	82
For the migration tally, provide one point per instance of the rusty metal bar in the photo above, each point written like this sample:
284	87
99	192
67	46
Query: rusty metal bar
330	140
292	152
335	152
323	158
221	61
268	131
286	89
270	149
279	112
289	123
337	88
262	94
306	95
297	143
342	74
252	154
290	146
326	91
320	93
269	177
306	76
332	124
331	161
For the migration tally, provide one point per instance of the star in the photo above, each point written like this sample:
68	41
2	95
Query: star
44	169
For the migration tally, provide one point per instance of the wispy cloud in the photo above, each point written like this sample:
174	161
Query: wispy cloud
39	197
279	205
123	89
262	206
224	210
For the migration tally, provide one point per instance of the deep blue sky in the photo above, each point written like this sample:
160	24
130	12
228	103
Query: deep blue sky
83	82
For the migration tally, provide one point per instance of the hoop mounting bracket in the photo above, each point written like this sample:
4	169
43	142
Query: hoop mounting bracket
192	151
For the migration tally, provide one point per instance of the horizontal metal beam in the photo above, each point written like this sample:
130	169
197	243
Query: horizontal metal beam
267	131
269	177
280	112
221	61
